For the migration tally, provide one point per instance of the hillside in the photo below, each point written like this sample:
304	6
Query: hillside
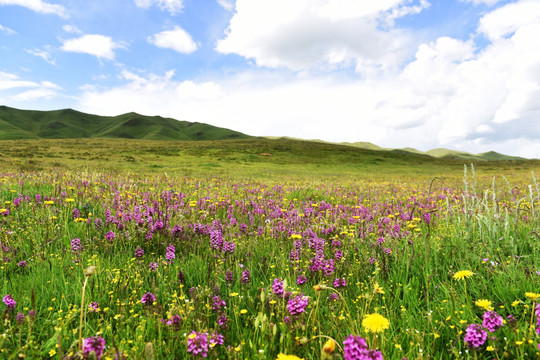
69	124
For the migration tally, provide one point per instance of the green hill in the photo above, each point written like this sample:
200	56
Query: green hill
69	124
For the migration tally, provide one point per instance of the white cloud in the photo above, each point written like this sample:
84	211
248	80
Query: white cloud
93	44
71	29
172	6
226	4
43	53
503	21
303	34
11	84
177	39
452	94
7	30
38	6
487	2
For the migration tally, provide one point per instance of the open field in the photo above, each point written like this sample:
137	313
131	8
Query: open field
262	249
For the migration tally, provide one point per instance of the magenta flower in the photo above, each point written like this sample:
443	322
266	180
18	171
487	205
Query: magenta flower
139	252
9	301
492	321
277	287
94	344
174	322
148	298
197	344
246	276
475	336
354	347
297	305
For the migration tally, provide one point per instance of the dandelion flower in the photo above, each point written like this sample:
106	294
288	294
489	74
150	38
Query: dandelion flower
462	274
532	296
282	356
375	323
484	304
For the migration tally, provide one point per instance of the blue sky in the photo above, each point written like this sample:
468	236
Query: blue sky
460	74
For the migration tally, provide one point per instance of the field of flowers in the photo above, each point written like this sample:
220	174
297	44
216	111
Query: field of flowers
129	266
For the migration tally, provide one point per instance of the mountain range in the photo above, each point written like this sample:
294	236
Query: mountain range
69	124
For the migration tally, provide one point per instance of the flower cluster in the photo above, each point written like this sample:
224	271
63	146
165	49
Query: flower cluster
297	305
356	348
95	344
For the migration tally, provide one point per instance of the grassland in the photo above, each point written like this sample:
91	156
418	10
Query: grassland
264	249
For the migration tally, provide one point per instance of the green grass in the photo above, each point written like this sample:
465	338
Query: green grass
340	197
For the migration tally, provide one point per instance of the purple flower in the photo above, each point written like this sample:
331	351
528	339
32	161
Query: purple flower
297	305
218	303
216	339
277	287
139	252
93	307
475	336
153	266
333	297
301	280
246	276
492	321
340	282
354	347
76	213
170	255
9	301
228	247
223	320
22	264
148	298
94	344
229	276
174	322
19	318
110	236
197	344
75	245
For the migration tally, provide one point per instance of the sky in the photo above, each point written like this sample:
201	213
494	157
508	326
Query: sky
458	74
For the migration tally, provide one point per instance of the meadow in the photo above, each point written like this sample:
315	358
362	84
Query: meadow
260	249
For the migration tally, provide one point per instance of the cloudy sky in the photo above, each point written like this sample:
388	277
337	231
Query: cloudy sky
460	74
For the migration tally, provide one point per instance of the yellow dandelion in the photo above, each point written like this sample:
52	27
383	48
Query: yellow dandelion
282	356
329	347
462	274
375	323
533	296
377	289
484	304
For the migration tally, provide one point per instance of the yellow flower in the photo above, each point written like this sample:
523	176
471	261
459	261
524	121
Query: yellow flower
377	289
282	356
70	200
462	274
329	347
375	323
532	296
52	353
484	304
48	202
243	311
490	348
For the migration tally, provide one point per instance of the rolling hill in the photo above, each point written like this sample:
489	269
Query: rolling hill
70	124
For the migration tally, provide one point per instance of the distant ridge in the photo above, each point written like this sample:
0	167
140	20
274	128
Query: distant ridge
439	153
68	124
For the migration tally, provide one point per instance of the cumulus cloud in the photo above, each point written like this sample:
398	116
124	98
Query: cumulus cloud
304	34
171	6
453	93
71	29
177	39
38	6
98	45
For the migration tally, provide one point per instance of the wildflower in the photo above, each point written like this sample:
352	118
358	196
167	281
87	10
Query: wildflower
148	298
218	303
229	276
375	323
110	236
216	339
153	266
22	264
282	356
170	255
94	344
277	287
332	297
475	336
301	279
197	344
75	213
484	304
246	276
75	245
139	252
9	301
174	322
462	274
19	318
93	307
329	347
297	305
223	320
533	296
354	347
492	321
